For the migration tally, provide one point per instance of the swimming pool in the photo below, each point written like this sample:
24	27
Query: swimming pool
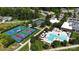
52	36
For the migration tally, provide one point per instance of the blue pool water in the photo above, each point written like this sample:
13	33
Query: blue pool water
52	36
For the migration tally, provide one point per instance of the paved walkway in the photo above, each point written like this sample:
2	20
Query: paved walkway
61	48
22	45
29	46
41	31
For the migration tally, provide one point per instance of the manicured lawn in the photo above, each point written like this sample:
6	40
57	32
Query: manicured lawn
71	49
37	45
25	48
74	34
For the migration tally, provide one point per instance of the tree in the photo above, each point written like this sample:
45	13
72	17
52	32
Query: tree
42	25
34	24
46	46
36	13
76	40
33	39
64	43
56	43
71	41
57	11
47	20
70	14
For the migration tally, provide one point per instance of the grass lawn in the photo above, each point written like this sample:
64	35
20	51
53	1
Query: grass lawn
16	20
25	48
74	34
7	26
10	48
37	45
71	49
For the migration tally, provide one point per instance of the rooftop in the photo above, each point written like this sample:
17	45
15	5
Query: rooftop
71	24
54	20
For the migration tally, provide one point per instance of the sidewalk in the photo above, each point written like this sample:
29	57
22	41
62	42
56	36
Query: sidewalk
22	45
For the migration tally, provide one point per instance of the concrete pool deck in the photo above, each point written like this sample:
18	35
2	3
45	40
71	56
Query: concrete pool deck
58	37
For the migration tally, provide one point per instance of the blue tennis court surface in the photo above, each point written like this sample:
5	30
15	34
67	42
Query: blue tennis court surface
20	33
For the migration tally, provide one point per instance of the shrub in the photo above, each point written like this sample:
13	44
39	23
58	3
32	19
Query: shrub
64	43
74	41
56	43
45	46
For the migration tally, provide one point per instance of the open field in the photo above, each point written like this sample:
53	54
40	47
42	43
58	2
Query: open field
10	48
4	27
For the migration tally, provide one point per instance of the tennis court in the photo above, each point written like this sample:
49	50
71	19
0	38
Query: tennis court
15	30
20	33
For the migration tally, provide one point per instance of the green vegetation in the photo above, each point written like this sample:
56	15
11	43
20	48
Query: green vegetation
58	25
74	34
56	43
24	48
69	14
46	46
9	48
6	40
64	43
47	20
23	17
75	38
57	11
4	27
20	13
37	44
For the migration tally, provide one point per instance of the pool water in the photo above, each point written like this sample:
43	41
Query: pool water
52	36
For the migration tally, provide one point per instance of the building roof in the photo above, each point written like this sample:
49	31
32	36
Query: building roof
71	24
66	25
54	20
6	18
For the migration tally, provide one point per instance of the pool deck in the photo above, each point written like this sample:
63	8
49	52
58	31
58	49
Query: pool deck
50	32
